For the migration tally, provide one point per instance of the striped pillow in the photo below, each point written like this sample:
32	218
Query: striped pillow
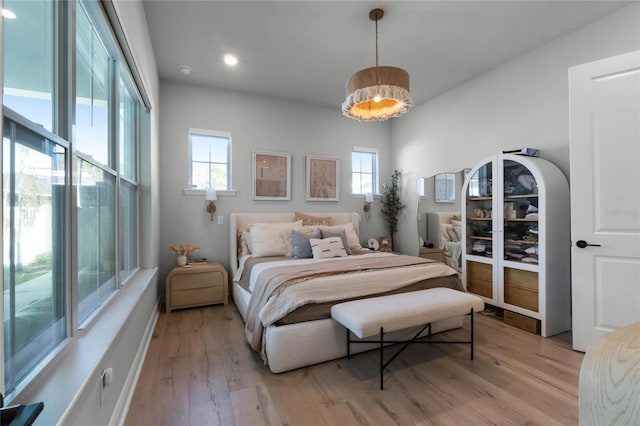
328	247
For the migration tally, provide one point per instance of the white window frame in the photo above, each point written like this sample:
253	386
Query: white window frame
376	170
212	133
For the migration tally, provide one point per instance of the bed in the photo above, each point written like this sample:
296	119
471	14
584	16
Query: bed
303	333
445	231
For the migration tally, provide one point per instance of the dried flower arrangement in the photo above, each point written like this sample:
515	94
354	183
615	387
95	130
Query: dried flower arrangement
183	250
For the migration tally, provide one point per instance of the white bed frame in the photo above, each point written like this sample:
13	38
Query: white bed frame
298	345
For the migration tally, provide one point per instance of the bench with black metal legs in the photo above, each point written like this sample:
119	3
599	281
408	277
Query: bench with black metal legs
365	318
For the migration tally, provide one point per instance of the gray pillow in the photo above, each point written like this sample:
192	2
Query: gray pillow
342	234
301	244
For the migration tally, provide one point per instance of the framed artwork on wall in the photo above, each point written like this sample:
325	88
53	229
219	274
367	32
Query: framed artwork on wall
271	176
323	178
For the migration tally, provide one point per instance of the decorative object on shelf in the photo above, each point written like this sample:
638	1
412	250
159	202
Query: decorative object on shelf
323	178
386	244
377	93
373	244
182	252
368	199
211	197
391	204
271	176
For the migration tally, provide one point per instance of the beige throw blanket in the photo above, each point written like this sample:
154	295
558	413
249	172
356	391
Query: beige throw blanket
281	289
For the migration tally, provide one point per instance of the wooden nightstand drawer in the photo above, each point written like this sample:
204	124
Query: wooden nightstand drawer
432	253
195	281
197	285
196	296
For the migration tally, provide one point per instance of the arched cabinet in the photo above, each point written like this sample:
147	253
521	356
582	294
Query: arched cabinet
516	238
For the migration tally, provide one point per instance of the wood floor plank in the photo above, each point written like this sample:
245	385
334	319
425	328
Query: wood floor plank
199	370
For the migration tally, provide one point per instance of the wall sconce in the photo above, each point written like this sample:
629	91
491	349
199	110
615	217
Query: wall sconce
368	199
211	197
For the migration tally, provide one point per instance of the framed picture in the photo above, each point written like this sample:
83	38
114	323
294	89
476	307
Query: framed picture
386	244
323	178
271	176
445	188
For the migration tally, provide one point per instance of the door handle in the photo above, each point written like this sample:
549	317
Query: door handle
583	244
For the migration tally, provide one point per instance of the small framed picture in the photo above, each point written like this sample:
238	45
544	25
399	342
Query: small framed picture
271	176
386	244
323	178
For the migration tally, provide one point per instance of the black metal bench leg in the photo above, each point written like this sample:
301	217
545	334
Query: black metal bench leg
381	356
471	333
348	345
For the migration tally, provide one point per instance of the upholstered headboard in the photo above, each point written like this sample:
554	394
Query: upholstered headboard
239	222
435	225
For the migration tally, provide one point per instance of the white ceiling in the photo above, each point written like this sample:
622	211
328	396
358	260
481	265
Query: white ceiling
306	50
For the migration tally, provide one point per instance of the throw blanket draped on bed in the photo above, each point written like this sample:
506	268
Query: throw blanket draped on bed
281	289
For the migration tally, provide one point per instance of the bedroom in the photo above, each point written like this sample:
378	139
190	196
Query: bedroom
421	143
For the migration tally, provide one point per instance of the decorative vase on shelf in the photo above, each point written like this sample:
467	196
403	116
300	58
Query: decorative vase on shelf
182	260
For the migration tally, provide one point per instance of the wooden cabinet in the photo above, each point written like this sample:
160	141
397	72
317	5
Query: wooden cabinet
432	253
516	238
196	285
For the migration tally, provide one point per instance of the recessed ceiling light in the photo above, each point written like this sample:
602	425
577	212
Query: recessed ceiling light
185	69
230	60
6	13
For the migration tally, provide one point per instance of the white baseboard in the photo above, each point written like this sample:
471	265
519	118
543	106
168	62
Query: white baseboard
124	401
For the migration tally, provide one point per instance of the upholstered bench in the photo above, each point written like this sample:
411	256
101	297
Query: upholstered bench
385	314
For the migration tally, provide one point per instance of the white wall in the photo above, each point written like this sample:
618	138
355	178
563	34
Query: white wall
523	103
255	123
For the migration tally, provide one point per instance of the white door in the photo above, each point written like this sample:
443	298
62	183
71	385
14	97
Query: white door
604	105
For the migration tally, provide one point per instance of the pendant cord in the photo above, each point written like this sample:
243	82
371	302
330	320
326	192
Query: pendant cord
376	42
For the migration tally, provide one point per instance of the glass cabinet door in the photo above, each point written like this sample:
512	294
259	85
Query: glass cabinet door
520	212
479	214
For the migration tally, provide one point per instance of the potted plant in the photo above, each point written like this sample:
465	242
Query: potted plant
391	204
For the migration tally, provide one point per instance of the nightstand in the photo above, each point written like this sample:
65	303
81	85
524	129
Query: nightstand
196	285
432	253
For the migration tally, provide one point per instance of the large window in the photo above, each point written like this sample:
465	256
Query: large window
210	159
35	228
29	60
70	206
364	171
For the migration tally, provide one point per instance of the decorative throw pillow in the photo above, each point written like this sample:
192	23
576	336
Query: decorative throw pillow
452	233
327	248
246	237
267	238
301	244
353	242
341	233
288	242
457	228
308	219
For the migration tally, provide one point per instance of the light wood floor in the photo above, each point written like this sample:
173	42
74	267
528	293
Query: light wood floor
200	371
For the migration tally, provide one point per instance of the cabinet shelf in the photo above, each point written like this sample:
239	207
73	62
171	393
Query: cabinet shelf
488	219
531	242
522	219
479	198
477	237
519	196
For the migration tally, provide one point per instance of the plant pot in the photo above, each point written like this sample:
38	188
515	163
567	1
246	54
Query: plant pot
182	260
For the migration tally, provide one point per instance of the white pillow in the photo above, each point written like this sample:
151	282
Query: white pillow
326	248
352	236
267	238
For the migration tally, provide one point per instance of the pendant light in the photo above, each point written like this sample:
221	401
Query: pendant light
377	93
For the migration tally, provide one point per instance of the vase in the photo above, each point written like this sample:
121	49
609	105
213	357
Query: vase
182	260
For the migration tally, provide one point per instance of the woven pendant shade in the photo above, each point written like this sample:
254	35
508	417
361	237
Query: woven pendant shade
377	93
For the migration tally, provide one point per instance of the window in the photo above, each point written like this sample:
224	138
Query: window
29	60
364	170
62	261
210	159
92	91
35	230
